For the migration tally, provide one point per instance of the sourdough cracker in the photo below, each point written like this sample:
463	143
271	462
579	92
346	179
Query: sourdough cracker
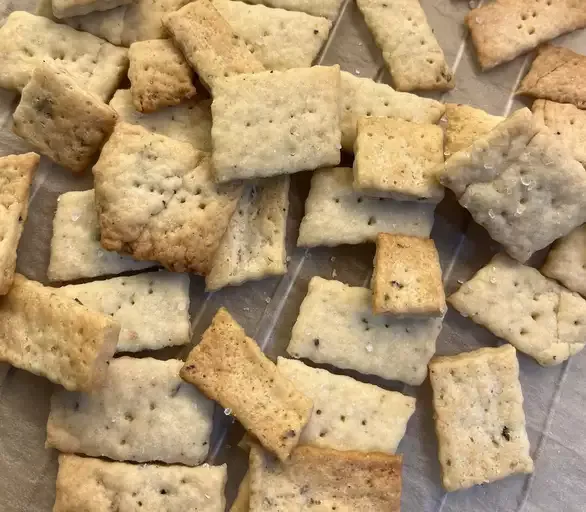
325	8
242	501
68	8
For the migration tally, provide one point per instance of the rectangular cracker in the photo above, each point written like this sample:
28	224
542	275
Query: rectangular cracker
27	40
253	246
505	29
159	75
152	308
292	116
157	200
336	214
50	335
144	412
230	368
63	121
519	183
398	159
325	479
349	414
16	176
479	417
407	277
336	325
409	47
530	311
365	97
97	485
68	8
242	501
325	8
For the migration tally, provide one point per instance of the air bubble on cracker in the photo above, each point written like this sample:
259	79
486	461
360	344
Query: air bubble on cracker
75	215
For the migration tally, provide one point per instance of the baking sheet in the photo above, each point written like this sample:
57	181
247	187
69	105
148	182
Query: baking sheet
554	397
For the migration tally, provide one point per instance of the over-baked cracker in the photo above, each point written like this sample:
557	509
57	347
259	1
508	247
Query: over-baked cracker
68	8
325	8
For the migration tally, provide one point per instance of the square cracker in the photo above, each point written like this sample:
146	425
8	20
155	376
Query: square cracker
349	414
68	8
157	200
26	41
16	176
152	308
62	120
325	479
530	311
276	122
50	335
101	486
159	75
479	418
520	183
410	49
325	8
407	278
230	368
209	43
143	413
398	159
253	246
336	325
505	29
336	214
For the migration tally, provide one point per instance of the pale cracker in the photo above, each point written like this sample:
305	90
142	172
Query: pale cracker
16	176
50	335
336	214
63	121
157	200
242	501
398	159
230	368
96	485
144	412
26	41
407	277
325	8
409	47
365	97
253	246
152	308
530	311
505	29
159	75
279	39
337	326
479	417
519	183
276	122
68	8
349	414
324	479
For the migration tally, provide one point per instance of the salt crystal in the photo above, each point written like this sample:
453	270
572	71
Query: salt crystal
460	281
181	307
491	214
338	146
525	180
492	280
488	166
75	215
100	253
520	210
267	300
207	496
472	4
357	71
334	273
227	411
369	348
332	259
246	308
288	259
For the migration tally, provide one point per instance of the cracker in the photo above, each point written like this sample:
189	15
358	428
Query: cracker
349	414
26	41
407	278
50	335
143	413
230	368
533	313
398	159
365	97
325	8
276	122
505	29
16	176
279	39
152	308
253	246
190	121
242	501
336	214
157	200
159	75
520	183
479	417
62	120
337	326
325	479
96	485
68	8
410	49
